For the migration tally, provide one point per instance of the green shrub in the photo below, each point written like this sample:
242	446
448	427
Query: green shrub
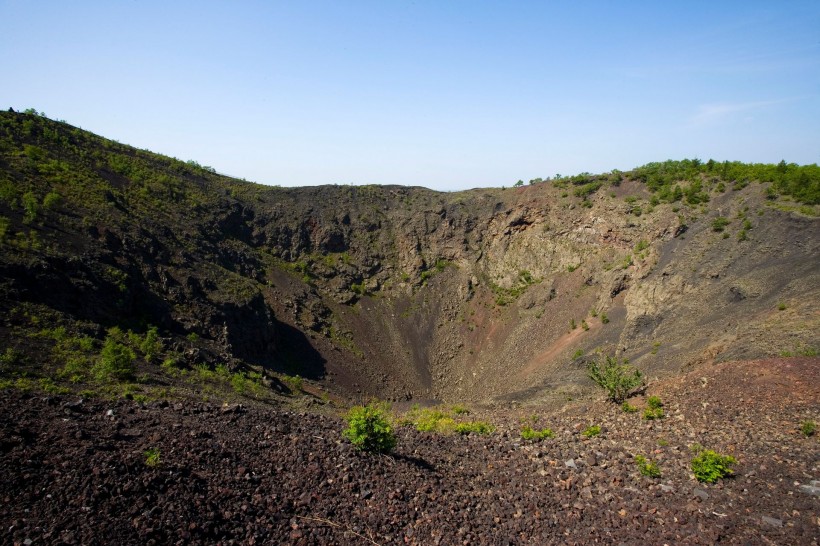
460	410
710	466
654	402
150	344
618	379
650	414
628	408
604	318
720	223
433	420
589	432
152	457
11	357
293	382
170	364
808	428
529	433
52	200
647	468
116	361
30	206
239	383
48	385
369	429
475	427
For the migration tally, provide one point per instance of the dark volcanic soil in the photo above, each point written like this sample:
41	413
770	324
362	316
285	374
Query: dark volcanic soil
75	472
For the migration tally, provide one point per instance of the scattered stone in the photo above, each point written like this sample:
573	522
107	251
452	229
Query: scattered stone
774	522
811	489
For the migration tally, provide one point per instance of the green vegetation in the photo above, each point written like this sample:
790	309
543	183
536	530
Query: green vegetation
369	429
647	467
531	434
433	420
619	379
808	428
11	357
504	296
293	382
152	457
654	409
626	407
589	432
116	361
474	427
720	223
709	466
440	266
665	179
442	420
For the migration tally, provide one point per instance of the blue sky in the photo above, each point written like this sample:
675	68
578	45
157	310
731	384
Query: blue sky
444	94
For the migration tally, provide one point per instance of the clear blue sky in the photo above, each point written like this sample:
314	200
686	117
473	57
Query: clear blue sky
443	94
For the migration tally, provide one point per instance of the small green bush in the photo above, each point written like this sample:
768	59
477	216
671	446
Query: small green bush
720	223
589	432
619	379
651	414
433	420
293	382
647	467
369	429
475	427
710	466
808	428
239	383
628	408
152	457
460	410
52	200
116	361
654	409
529	433
150	344
11	357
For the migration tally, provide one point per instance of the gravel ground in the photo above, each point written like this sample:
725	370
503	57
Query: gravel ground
75	472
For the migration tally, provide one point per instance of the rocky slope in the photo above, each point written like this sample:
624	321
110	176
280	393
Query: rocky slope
492	295
96	472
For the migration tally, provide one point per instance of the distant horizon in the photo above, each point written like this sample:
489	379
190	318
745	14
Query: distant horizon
539	179
448	96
